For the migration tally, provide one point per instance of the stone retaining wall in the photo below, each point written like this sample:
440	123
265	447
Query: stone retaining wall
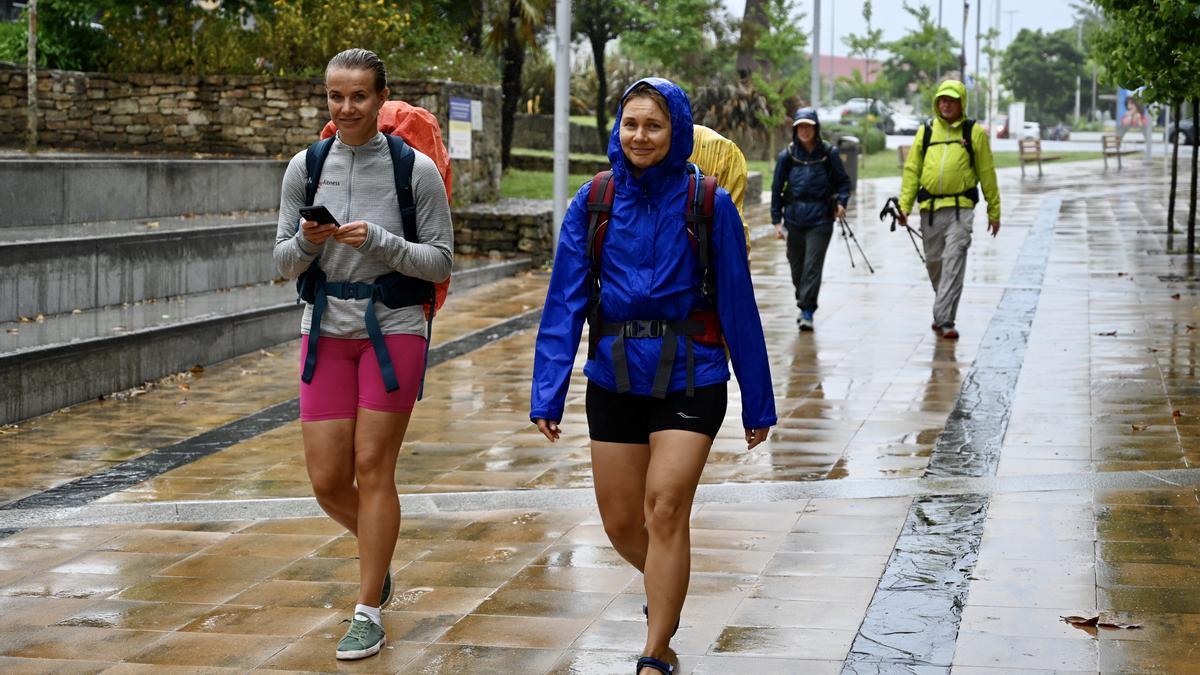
240	115
537	132
507	228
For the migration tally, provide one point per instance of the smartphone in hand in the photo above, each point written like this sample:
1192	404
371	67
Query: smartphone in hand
318	214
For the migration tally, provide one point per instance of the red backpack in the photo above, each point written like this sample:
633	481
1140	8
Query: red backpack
703	325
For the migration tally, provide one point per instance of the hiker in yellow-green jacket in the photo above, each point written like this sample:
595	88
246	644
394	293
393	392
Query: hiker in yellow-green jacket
949	161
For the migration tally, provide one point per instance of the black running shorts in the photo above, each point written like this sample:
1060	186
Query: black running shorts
630	418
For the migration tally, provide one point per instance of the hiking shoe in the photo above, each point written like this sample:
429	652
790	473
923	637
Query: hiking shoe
948	332
386	595
937	329
806	321
365	638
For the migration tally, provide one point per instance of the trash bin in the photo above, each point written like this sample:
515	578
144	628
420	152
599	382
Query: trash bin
848	147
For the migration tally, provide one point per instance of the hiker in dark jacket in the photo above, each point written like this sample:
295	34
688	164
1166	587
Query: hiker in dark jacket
810	190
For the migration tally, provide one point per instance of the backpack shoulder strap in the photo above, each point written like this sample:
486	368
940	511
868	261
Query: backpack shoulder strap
314	160
968	126
600	202
702	195
599	205
403	159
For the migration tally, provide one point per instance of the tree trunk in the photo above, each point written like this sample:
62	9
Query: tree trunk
602	130
1191	235
510	86
754	22
1174	170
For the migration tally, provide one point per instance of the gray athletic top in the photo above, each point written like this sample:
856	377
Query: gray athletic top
357	183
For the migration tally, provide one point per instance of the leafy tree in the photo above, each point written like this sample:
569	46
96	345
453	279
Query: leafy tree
755	21
865	45
782	62
1152	44
917	57
68	36
601	21
514	30
1041	69
685	40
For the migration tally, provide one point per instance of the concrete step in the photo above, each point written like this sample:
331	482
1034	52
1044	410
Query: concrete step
72	357
50	269
51	190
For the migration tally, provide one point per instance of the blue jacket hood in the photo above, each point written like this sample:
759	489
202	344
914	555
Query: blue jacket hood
682	136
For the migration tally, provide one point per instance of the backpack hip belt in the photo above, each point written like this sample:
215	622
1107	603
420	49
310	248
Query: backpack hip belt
654	328
971	193
355	290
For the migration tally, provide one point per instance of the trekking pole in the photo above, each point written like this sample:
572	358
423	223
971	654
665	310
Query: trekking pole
892	208
847	229
849	253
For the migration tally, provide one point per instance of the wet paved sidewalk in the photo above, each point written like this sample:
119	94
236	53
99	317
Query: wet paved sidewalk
1092	510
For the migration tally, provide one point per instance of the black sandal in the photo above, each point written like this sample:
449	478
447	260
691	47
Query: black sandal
651	662
646	613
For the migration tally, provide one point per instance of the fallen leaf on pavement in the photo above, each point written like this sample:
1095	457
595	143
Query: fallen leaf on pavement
1140	427
1176	296
1190	328
1111	333
196	369
12	331
152	224
267	353
25	319
1095	622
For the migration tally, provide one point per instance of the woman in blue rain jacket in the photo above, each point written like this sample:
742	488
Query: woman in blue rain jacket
648	445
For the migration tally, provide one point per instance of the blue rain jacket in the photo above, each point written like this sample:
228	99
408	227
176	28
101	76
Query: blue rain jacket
650	271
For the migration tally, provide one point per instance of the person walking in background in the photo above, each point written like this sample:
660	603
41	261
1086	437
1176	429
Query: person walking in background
810	190
657	274
355	403
950	158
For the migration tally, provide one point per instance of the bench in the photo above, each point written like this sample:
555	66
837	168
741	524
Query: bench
903	153
1111	147
1030	150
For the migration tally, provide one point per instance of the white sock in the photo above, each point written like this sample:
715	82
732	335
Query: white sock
372	613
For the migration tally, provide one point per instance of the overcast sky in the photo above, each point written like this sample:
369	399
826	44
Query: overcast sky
890	16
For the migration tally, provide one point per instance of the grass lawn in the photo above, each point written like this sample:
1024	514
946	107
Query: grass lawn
882	164
536	184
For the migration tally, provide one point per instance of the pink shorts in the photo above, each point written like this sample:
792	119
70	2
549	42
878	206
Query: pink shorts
347	377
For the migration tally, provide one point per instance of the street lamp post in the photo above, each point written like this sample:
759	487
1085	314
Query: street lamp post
562	122
815	88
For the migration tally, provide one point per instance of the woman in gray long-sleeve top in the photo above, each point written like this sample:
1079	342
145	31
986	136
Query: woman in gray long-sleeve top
355	405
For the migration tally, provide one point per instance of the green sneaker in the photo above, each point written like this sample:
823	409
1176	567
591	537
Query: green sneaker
386	595
365	638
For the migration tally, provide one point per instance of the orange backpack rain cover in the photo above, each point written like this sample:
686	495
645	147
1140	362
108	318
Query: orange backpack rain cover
420	129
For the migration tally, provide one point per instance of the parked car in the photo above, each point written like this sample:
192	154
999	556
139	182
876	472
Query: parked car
899	123
1029	130
1058	132
1183	128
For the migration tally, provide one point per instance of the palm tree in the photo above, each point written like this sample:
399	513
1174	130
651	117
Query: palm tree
513	31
